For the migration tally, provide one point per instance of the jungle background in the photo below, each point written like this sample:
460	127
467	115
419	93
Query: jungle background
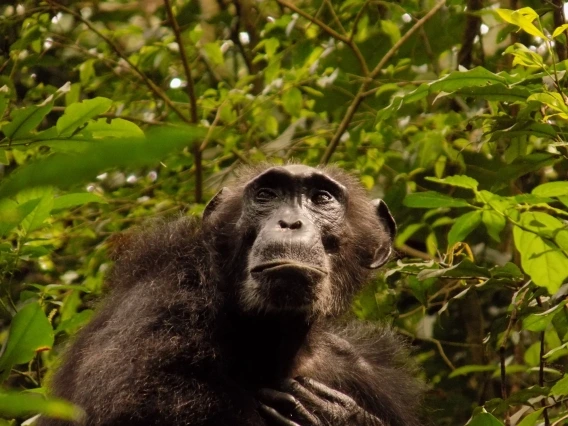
116	112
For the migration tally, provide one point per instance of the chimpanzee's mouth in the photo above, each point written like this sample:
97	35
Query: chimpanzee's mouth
284	266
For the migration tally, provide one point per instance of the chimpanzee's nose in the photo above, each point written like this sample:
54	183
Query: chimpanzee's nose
289	224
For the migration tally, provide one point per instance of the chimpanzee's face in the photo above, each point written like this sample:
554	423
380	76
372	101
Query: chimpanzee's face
297	214
304	241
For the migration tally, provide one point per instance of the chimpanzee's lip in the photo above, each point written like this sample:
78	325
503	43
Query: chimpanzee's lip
276	265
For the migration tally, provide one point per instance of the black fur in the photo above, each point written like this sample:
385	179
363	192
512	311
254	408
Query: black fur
170	346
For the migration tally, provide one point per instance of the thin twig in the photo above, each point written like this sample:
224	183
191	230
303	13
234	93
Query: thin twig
347	40
197	159
373	74
413	252
541	369
151	85
184	61
357	18
334	15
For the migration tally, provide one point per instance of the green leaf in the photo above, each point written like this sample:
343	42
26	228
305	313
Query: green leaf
508	270
71	325
123	152
3	104
432	199
467	369
463	226
522	166
523	19
552	100
531	419
461	181
540	321
292	101
77	199
465	269
26	119
494	92
40	213
407	232
524	56
525	128
494	223
14	404
485	419
551	189
540	258
561	387
30	332
12	213
213	53
457	80
117	128
77	114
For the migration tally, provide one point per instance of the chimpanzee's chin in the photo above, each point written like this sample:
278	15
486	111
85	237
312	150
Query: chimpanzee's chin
289	286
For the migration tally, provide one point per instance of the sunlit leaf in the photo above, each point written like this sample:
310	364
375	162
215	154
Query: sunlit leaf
551	189
559	30
461	181
522	18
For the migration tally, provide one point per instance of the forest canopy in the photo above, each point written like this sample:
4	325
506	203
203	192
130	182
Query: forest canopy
116	112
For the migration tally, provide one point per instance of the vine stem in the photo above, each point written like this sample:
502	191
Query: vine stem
361	93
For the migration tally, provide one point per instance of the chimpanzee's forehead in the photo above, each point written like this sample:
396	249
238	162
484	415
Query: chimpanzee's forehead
300	169
291	173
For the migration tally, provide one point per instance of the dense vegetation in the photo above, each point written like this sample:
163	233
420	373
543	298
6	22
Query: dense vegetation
113	112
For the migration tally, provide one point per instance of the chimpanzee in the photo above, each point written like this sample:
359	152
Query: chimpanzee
241	320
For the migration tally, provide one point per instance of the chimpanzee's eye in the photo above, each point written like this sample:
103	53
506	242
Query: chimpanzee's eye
322	197
264	195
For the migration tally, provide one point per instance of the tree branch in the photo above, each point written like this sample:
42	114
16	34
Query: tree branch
347	40
151	85
372	75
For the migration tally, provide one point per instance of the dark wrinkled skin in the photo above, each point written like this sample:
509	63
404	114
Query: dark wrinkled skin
234	321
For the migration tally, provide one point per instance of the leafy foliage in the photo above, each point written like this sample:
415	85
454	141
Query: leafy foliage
453	112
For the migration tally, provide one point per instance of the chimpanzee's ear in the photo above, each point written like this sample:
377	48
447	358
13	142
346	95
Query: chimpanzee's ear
213	203
383	252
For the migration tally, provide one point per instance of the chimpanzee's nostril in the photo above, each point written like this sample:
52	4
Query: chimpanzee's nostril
296	225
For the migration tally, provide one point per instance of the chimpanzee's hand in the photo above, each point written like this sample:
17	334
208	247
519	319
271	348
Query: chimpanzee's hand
306	402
